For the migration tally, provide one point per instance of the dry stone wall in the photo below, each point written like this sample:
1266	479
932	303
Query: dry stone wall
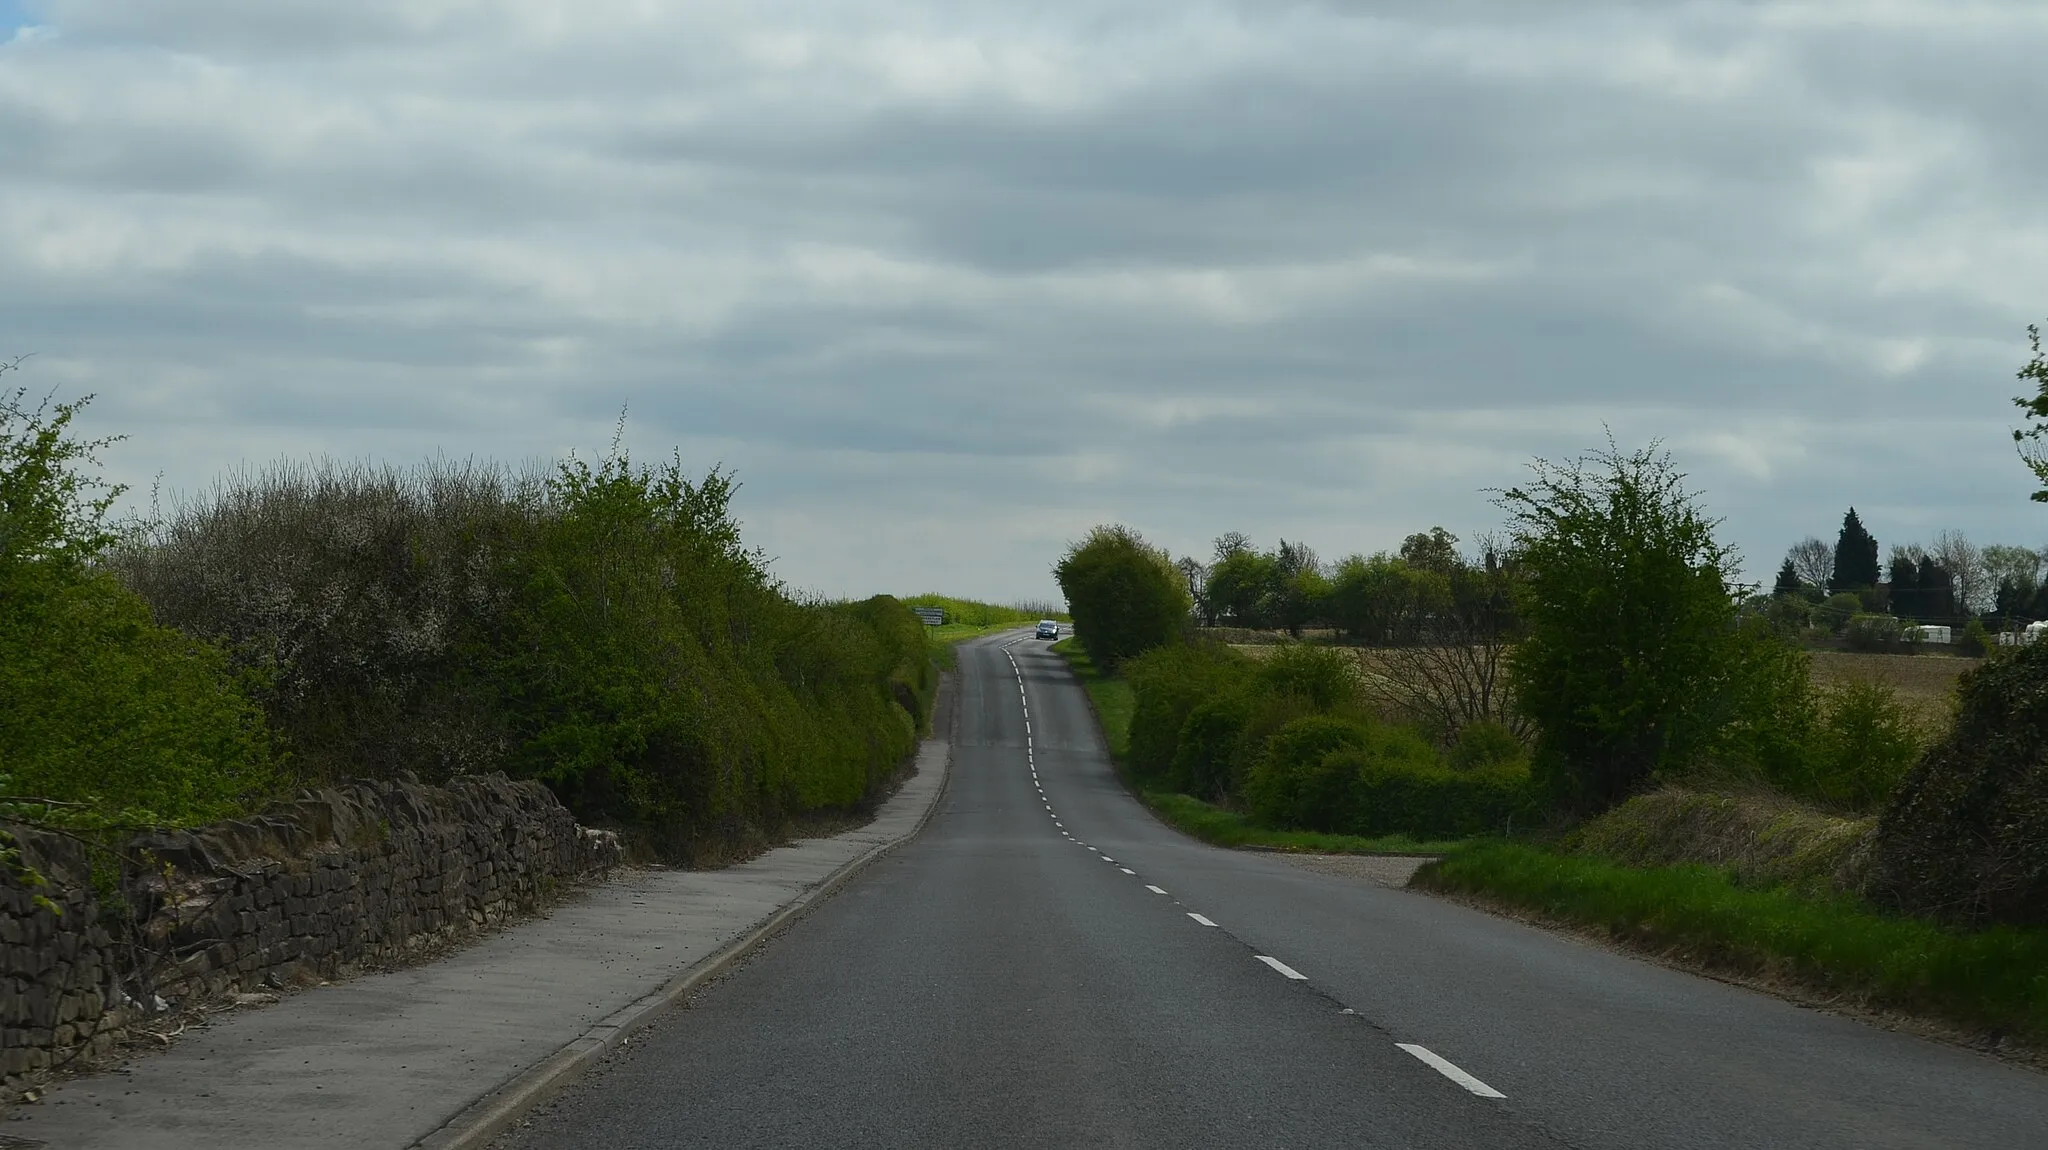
311	889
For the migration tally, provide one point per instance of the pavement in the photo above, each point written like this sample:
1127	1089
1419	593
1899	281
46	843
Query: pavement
1047	965
442	1054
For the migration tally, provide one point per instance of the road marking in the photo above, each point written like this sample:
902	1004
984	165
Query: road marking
1105	858
1128	871
1153	889
1282	967
1443	1067
1205	922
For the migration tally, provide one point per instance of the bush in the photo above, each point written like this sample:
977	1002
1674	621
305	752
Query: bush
99	705
602	628
1167	685
1213	747
1631	650
1126	595
1487	745
1834	613
141	724
1867	740
1398	788
1323	678
1965	836
1976	639
1293	784
1878	633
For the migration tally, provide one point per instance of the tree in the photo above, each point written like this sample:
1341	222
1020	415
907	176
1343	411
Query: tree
1457	674
1434	550
1197	576
1814	561
2015	567
1964	564
2029	441
1788	580
1855	557
1126	595
1240	587
1630	639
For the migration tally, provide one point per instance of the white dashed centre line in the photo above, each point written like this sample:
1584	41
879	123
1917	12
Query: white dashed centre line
1443	1066
1205	922
1153	889
1282	967
1128	871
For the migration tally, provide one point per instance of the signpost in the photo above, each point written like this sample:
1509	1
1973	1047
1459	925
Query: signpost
932	616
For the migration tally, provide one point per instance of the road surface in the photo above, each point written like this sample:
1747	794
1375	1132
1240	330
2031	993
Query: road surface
1047	965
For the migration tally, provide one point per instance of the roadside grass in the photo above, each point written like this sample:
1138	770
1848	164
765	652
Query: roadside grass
1218	827
1114	704
1993	980
946	638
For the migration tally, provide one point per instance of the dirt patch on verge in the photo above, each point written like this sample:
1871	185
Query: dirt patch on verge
1379	870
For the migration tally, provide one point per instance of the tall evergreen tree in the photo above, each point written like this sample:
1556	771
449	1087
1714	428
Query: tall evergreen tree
1788	580
1855	556
1937	598
1905	585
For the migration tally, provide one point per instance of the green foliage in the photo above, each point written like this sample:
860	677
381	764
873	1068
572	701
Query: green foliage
1213	746
1630	624
973	613
104	715
1866	742
1227	828
1415	794
1240	588
1322	678
1990	978
1965	835
1760	838
100	706
602	628
1126	595
654	676
2029	440
1976	639
1168	683
1294	784
1834	613
1360	777
1878	633
1486	744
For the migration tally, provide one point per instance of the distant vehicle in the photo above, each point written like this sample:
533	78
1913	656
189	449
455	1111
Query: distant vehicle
1047	629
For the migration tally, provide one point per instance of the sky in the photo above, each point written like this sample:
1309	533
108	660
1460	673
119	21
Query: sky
946	284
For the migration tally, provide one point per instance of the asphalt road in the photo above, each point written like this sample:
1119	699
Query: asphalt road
1049	966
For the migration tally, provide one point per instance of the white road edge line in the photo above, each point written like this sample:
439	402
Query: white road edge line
1153	889
1282	967
1205	922
1444	1067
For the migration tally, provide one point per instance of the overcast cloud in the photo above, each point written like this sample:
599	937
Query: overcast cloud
950	282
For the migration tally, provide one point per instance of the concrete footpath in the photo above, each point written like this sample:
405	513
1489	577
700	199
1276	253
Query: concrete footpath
444	1054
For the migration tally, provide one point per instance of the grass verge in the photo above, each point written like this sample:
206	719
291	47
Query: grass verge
1191	816
948	636
1993	981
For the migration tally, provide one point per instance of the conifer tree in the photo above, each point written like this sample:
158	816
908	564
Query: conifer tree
1855	556
1788	580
